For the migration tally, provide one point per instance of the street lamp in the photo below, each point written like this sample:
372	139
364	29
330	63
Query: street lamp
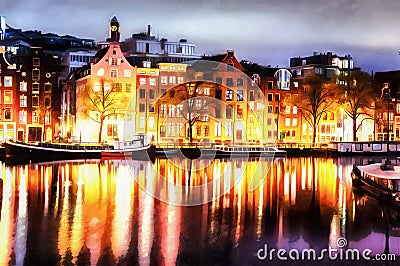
387	165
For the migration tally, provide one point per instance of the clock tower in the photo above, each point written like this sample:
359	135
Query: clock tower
114	30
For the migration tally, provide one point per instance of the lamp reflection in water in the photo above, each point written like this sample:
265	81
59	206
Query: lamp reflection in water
7	216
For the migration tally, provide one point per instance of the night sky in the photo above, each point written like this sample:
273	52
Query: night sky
265	31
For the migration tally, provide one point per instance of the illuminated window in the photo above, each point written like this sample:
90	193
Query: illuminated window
7	113
198	130
206	130
179	80
23	86
7	81
47	118
114	73
142	81
171	129
128	87
35	101
47	87
118	87
295	110
151	122
162	131
127	73
228	129
152	82
172	80
287	122
229	95
23	101
294	122
179	109
107	86
163	110
35	88
96	86
218	129
171	110
100	72
8	97
163	79
142	122
240	111
287	110
179	130
112	130
239	95
114	61
22	117
35	118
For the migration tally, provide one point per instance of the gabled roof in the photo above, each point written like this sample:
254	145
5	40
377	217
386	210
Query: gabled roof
100	54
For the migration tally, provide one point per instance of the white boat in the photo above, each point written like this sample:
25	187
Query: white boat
242	151
381	184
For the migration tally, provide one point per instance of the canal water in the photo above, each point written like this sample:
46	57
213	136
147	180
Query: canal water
180	212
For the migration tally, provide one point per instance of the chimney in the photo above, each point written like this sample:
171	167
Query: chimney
230	53
148	30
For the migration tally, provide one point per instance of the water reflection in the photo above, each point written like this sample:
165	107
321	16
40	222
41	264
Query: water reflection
96	211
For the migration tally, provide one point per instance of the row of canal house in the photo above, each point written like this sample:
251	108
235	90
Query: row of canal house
251	109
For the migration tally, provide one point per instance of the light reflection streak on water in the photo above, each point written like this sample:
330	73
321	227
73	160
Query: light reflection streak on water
64	231
121	227
6	220
22	218
46	190
93	195
77	222
146	227
170	232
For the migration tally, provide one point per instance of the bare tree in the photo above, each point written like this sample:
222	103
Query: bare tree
48	104
357	97
194	100
100	102
315	100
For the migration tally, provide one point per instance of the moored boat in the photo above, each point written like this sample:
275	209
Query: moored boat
19	153
242	151
381	184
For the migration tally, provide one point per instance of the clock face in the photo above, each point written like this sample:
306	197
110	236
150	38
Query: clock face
114	28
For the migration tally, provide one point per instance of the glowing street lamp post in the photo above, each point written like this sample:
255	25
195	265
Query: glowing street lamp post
387	165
